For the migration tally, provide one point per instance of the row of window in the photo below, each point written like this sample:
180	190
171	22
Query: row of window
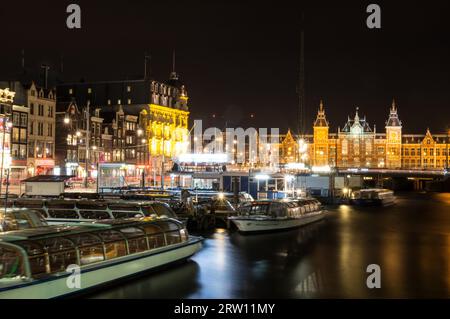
19	135
40	149
19	151
425	152
40	129
40	110
19	119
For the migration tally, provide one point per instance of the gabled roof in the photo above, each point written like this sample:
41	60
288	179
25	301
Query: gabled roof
393	119
357	121
321	120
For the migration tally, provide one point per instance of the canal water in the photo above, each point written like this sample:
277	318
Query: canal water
410	241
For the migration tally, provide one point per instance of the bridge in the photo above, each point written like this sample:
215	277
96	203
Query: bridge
401	172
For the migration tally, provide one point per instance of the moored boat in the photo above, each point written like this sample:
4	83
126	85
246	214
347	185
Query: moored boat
272	215
63	211
40	262
373	197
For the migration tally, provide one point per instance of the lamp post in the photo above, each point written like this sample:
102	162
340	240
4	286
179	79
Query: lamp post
162	162
88	139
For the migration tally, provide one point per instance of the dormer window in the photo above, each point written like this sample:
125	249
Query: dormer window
70	91
89	90
128	89
109	102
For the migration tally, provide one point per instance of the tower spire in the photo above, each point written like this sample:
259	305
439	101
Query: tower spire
173	74
321	119
357	115
393	107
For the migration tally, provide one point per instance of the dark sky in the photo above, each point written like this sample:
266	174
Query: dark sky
241	57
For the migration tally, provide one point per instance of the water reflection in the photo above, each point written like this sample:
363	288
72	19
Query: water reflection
410	241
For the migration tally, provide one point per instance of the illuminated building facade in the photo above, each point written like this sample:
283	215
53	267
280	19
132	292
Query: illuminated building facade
133	124
33	133
6	105
358	145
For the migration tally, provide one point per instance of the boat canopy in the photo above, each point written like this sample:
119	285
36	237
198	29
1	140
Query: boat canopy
43	252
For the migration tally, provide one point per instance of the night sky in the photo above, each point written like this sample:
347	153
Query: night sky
239	58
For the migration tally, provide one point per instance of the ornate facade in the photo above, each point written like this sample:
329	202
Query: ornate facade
359	145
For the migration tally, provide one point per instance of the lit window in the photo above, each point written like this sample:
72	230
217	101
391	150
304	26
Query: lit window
70	91
89	90
119	101
128	88
129	101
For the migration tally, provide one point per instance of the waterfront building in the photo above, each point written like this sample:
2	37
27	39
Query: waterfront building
35	123
139	125
358	145
6	106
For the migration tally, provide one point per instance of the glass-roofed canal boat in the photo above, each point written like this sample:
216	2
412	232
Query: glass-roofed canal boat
36	262
272	215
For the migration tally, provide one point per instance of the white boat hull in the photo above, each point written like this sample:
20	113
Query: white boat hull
102	273
248	225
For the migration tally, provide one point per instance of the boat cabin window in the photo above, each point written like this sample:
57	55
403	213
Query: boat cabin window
18	220
222	205
136	239
92	205
119	215
115	245
29	203
259	209
277	210
61	253
147	210
124	207
245	209
42	212
63	213
162	210
155	236
98	215
36	257
61	204
90	248
172	232
11	262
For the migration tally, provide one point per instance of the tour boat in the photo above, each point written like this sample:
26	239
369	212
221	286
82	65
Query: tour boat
57	211
373	197
271	215
55	261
